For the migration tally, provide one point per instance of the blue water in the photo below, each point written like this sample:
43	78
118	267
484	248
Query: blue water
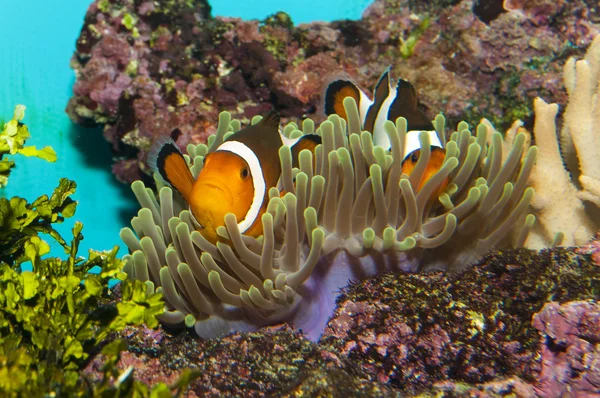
37	39
301	11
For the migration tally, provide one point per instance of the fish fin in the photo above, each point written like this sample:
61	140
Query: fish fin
271	120
406	94
166	159
383	86
380	94
308	141
335	94
405	105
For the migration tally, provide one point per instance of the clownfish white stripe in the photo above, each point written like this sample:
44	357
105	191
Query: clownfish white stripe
258	180
364	105
380	138
412	142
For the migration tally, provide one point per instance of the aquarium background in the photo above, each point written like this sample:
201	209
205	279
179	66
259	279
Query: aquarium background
37	38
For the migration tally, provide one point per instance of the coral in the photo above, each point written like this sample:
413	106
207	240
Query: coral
413	330
570	349
176	75
567	220
509	387
12	141
354	215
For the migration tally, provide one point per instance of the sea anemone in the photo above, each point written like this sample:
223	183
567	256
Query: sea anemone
349	214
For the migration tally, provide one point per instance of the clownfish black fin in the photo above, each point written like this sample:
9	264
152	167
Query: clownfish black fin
405	105
380	94
166	159
382	88
335	94
406	94
271	120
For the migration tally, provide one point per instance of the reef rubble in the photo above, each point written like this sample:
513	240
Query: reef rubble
144	71
488	332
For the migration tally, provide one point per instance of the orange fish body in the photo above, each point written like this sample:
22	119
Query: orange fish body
389	104
235	178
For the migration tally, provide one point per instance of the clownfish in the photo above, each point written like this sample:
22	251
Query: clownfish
390	103
236	176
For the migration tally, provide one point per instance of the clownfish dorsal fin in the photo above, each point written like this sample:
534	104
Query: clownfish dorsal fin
405	105
166	159
383	86
406	95
380	95
261	135
271	120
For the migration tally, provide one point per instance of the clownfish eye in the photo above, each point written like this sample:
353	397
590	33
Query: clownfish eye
245	173
414	157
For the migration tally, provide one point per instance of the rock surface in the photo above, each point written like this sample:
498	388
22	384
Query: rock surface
144	71
487	332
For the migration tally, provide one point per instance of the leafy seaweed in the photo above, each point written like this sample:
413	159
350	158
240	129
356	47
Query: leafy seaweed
22	222
54	317
56	312
12	141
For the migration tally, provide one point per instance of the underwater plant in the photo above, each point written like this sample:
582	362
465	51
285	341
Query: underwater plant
351	215
12	141
54	317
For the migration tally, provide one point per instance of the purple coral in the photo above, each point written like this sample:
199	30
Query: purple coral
570	349
176	68
413	331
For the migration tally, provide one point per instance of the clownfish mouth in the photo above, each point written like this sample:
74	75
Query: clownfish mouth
217	187
196	223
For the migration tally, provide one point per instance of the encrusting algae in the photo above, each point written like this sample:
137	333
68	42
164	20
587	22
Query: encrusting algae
351	215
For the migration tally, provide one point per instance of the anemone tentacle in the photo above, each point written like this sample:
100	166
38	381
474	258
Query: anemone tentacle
346	214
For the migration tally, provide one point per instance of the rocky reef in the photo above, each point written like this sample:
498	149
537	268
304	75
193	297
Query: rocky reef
144	71
519	322
488	332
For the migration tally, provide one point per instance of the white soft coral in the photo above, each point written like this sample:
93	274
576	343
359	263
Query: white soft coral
559	203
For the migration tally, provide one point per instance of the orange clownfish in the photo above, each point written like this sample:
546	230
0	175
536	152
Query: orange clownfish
390	103
236	177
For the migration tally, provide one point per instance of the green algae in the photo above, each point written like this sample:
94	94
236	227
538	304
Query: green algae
104	6
129	21
12	141
275	41
56	314
22	222
53	317
408	44
280	19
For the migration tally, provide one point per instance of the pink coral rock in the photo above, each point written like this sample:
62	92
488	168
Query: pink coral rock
570	349
174	68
